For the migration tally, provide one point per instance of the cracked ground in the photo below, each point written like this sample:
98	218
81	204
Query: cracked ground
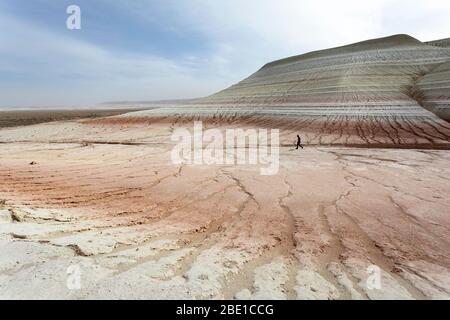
108	200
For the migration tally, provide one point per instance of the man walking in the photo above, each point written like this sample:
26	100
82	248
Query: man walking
299	141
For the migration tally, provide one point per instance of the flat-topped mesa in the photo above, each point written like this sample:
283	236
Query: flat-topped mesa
363	93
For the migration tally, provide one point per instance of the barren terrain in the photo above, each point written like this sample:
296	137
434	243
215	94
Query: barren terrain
95	208
107	199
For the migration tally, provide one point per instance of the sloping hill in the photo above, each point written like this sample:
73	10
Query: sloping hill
433	91
371	73
356	94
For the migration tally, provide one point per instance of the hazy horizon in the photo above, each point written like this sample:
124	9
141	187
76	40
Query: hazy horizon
156	50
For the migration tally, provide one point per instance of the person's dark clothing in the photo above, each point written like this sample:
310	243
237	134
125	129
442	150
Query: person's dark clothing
299	141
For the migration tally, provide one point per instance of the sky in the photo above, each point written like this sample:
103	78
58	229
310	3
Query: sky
170	49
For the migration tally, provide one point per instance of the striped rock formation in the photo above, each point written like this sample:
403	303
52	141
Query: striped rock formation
432	90
361	94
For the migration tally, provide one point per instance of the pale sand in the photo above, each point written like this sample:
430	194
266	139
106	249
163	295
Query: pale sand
107	199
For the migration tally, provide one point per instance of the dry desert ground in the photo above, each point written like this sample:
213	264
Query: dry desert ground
101	198
96	208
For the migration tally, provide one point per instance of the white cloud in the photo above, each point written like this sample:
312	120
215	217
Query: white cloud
295	26
56	69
